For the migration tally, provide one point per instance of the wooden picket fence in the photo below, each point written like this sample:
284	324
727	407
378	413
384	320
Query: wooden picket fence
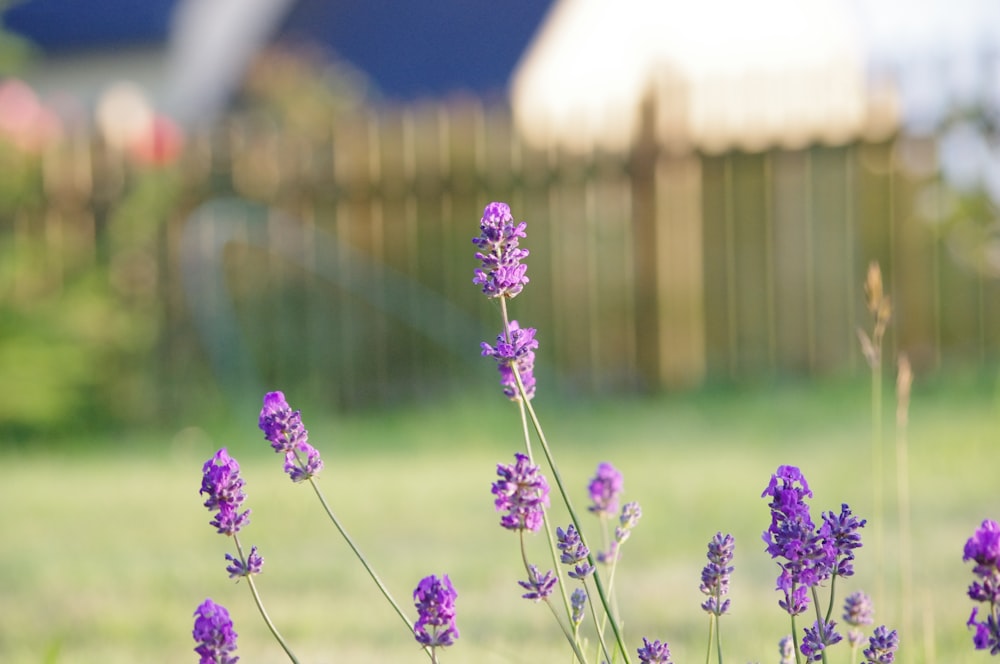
342	264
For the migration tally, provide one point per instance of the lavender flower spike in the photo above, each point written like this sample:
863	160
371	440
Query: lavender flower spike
538	585
715	575
501	273
522	492
984	545
839	533
299	470
983	548
987	636
786	648
514	350
253	565
574	552
435	602
283	428
817	638
578	604
631	513
213	631
605	488
857	613
882	646
221	481
656	652
791	537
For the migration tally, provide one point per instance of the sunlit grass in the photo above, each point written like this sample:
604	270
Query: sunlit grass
104	556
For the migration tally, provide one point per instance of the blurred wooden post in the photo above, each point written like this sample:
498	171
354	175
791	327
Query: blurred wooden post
682	245
680	261
645	239
669	254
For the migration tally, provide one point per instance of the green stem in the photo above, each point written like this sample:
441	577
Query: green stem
718	638
833	586
260	605
364	563
611	587
715	621
569	636
795	638
612	566
593	611
711	630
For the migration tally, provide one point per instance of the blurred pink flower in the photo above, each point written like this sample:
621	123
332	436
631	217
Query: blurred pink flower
160	143
24	121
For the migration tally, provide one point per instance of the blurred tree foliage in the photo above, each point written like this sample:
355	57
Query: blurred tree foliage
89	313
79	311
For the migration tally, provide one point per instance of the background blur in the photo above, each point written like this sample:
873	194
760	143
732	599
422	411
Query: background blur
204	200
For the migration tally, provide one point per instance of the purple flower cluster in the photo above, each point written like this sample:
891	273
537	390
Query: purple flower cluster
882	646
221	481
516	349
857	613
213	631
715	575
538	585
983	548
435	602
631	513
839	533
522	492
574	552
987	636
808	555
656	652
786	648
791	537
578	605
605	488
501	273
283	428
237	567
817	638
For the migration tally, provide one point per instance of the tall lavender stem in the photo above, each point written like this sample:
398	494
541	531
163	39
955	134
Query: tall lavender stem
364	562
503	276
283	428
527	446
606	604
260	606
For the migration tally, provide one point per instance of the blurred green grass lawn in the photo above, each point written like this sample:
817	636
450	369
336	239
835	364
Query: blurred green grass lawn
105	554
